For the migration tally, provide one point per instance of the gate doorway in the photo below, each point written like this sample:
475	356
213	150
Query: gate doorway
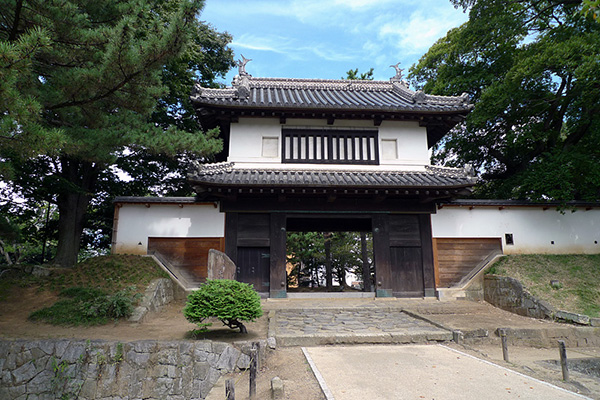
329	254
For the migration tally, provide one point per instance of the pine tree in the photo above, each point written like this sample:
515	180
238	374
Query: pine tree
88	81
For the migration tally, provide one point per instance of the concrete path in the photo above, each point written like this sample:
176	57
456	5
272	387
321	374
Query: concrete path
380	372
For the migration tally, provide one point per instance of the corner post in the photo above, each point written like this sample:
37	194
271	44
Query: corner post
278	276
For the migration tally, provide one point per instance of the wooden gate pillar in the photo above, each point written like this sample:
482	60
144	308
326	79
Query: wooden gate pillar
427	254
381	253
278	274
231	224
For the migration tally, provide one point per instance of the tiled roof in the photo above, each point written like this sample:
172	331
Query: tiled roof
376	96
227	175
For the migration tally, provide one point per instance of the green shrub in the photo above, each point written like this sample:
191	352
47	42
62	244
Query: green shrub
229	301
87	306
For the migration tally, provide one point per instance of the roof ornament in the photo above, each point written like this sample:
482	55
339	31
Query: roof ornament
399	70
397	79
469	170
242	66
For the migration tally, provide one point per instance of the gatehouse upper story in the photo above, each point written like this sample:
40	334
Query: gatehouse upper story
359	134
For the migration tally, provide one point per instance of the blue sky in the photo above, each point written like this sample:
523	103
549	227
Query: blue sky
326	38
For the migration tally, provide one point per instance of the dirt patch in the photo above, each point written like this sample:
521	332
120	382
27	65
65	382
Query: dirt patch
289	364
169	323
542	364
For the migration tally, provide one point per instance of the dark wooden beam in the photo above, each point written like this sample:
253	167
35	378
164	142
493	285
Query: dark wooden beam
320	204
427	255
277	281
231	225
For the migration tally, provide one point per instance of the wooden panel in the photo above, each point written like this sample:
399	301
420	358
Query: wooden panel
407	266
436	264
381	253
187	254
404	231
253	227
457	257
253	267
231	222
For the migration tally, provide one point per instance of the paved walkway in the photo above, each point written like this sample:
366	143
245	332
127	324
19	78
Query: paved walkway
353	325
312	322
420	372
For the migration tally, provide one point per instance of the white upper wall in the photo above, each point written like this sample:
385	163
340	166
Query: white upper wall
136	222
258	140
534	229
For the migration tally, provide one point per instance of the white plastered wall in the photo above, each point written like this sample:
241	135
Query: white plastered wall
534	230
136	222
248	134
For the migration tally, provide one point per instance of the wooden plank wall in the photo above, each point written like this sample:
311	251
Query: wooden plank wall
190	255
455	258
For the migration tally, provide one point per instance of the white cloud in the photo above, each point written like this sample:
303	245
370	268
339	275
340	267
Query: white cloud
419	32
290	48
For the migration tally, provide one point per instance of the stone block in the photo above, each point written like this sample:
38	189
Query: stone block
220	266
572	317
59	348
24	373
40	383
277	390
40	271
200	370
595	321
228	359
272	342
243	362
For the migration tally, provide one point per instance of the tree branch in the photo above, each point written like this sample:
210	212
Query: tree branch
13	33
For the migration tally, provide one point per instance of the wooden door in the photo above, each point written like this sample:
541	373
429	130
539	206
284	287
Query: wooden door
407	264
406	256
253	267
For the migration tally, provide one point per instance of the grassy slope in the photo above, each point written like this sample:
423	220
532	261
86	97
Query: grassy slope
110	273
579	276
101	277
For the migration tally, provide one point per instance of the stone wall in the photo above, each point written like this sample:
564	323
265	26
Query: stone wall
78	369
508	294
159	293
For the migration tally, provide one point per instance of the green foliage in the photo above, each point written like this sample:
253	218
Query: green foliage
227	300
353	74
531	69
86	306
306	253
85	86
591	7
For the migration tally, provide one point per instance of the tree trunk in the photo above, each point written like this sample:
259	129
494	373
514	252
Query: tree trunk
79	179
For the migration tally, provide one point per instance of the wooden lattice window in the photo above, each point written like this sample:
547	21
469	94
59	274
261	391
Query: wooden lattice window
329	146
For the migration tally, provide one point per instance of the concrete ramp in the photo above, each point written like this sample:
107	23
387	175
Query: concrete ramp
420	372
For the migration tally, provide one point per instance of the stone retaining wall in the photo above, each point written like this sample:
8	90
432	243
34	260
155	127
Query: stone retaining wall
508	294
78	369
160	292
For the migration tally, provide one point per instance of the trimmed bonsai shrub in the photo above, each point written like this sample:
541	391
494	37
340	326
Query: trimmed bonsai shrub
228	300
